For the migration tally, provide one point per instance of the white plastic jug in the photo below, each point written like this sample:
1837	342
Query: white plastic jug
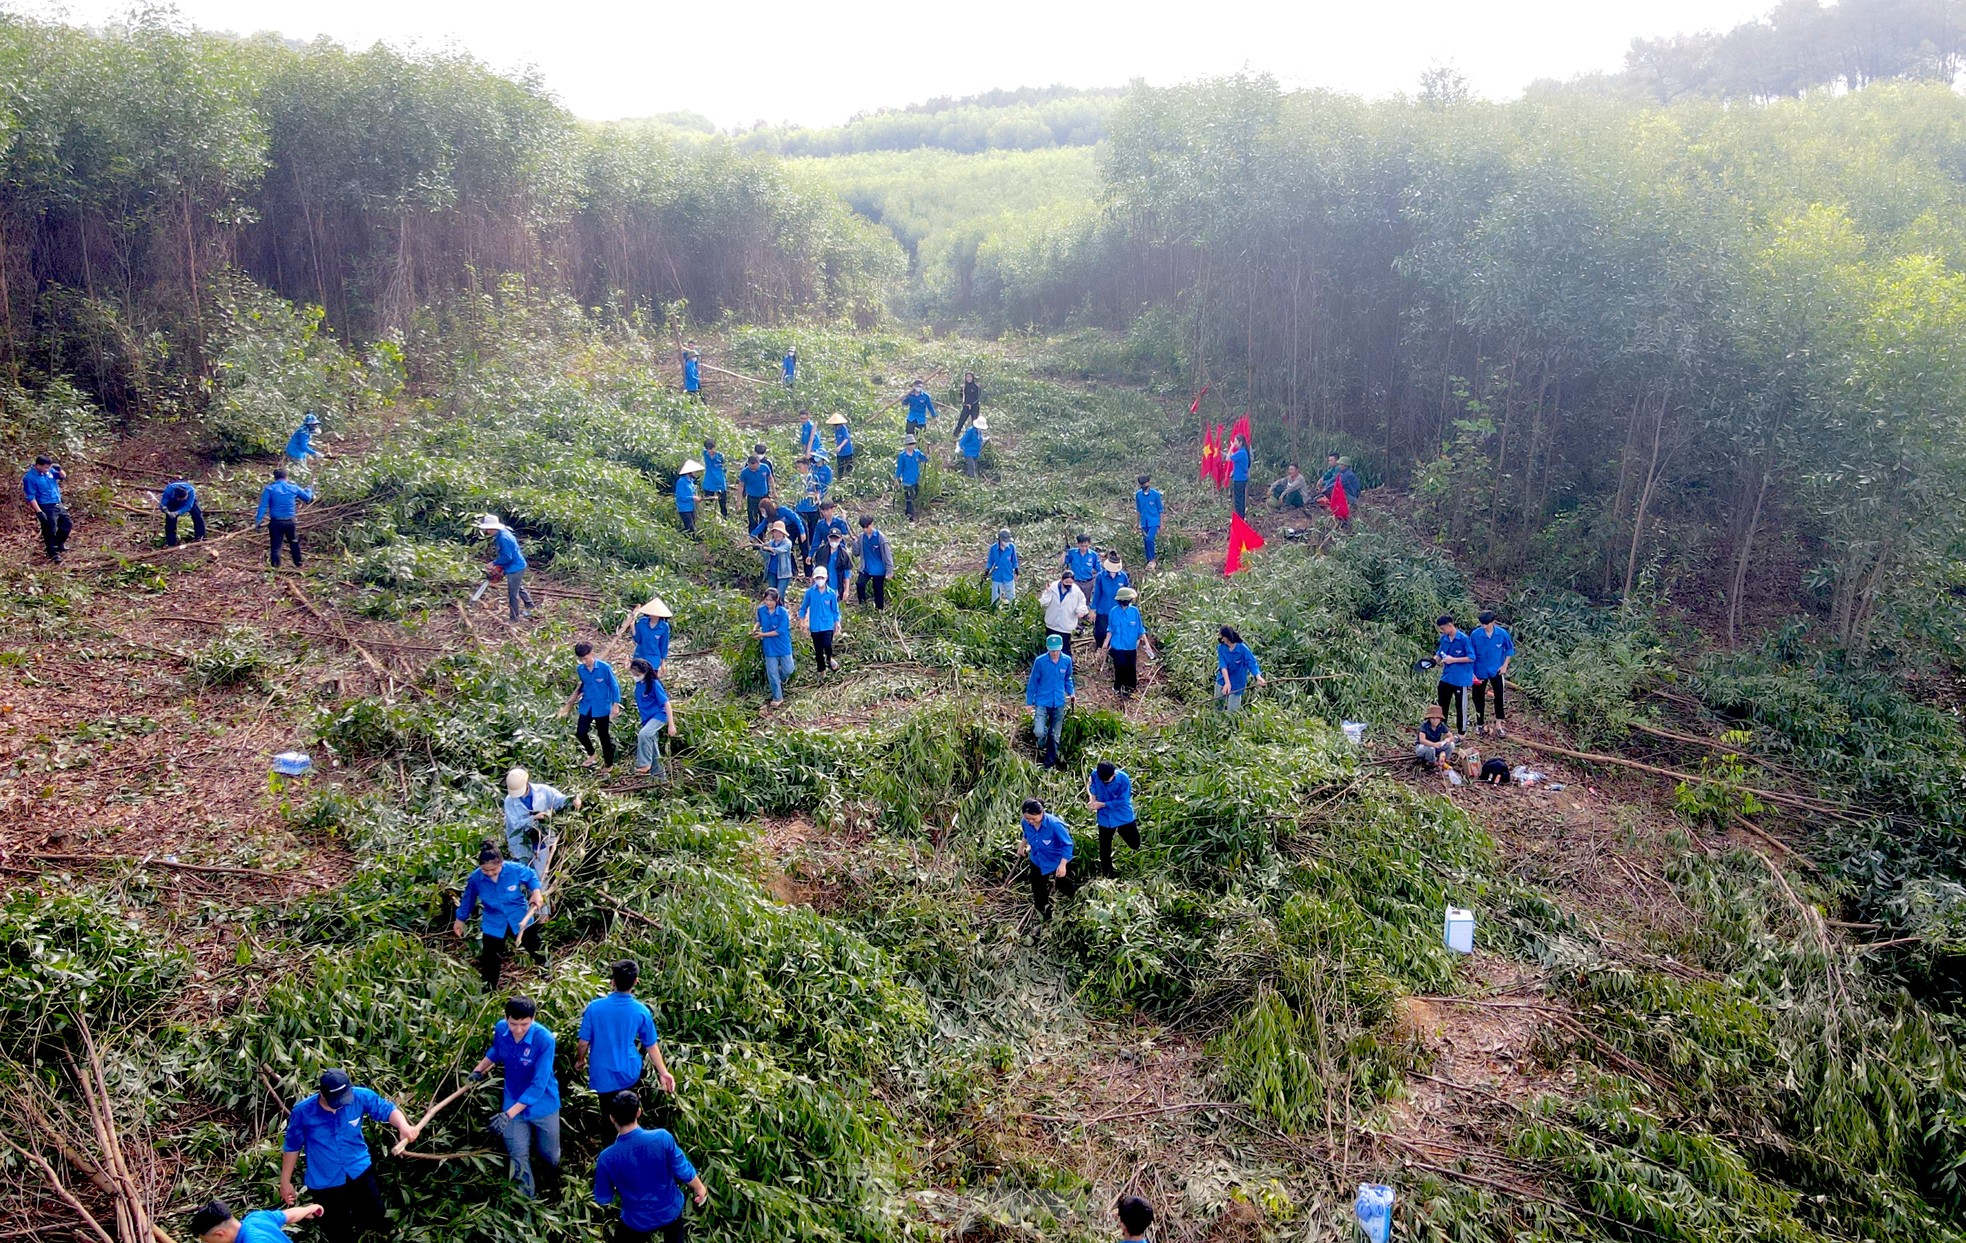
1374	1210
1459	932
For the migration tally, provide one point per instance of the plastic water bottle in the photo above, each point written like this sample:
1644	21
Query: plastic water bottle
1374	1210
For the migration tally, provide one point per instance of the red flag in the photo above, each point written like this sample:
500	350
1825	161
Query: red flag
1242	538
1208	452
1340	508
1242	429
1196	408
1223	468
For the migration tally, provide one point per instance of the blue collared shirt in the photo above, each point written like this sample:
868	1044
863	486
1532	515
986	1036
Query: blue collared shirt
1002	562
647	1172
1240	664
504	899
652	704
842	440
507	557
685	494
692	378
281	499
874	561
599	691
1117	795
1460	673
1105	590
178	498
1050	683
713	471
1148	503
1490	651
971	442
921	408
1239	464
619	1031
756	479
652	639
301	443
332	1138
908	466
776	624
519	809
1125	628
820	606
795	526
528	1063
265	1226
1083	563
42	488
1051	842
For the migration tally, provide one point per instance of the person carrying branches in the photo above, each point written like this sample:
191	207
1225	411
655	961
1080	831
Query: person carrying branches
527	808
513	905
650	624
715	483
658	717
529	1121
327	1129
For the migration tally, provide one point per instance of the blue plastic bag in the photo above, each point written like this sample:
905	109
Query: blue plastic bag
1375	1211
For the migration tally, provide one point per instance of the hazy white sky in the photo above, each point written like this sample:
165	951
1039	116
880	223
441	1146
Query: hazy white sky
738	61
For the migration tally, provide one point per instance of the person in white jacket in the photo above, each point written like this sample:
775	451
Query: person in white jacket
1064	606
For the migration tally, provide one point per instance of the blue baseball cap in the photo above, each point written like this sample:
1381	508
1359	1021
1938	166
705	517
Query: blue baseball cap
1054	642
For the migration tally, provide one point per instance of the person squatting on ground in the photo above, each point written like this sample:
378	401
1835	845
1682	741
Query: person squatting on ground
1109	793
529	1119
180	500
876	560
42	487
509	562
1494	648
513	905
1047	848
1126	635
644	1171
1000	563
599	699
1064	608
1048	692
819	613
528	806
774	635
300	445
1433	746
1235	665
1293	491
657	716
1455	656
279	510
326	1128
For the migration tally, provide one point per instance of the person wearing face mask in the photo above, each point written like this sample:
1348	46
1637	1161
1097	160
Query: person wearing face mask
1000	563
835	557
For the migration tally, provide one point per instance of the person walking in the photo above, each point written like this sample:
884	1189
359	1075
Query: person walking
41	484
643	1171
809	438
686	494
650	625
529	1122
1000	563
1235	665
214	1223
1081	561
715	482
599	699
835	558
527	808
970	446
790	525
791	365
300	445
781	559
508	565
326	1128
755	479
842	443
1047	849
972	408
513	905
921	408
815	477
279	510
658	718
1239	475
179	500
1109	793
1048	692
692	373
1149	504
618	1038
1126	634
1456	660
774	635
1064	608
876	563
819	613
830	523
1105	593
908	469
1494	648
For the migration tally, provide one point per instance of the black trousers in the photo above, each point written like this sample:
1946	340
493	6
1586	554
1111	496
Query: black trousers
1481	690
1099	621
688	517
601	725
751	514
1129	833
908	494
1455	697
278	530
1241	487
963	419
822	649
846	466
877	583
675	1232
1041	883
723	501
353	1208
495	950
55	527
197	526
1126	671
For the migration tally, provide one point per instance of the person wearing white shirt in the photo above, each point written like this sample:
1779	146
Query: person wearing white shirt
1064	605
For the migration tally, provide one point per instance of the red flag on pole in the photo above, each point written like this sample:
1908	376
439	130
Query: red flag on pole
1196	408
1242	429
1208	452
1340	508
1242	538
1223	468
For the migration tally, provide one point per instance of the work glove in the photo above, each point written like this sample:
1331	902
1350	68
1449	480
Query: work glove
477	1076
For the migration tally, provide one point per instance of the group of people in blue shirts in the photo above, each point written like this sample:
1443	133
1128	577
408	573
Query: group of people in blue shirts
1473	664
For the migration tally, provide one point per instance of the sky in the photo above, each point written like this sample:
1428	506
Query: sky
740	61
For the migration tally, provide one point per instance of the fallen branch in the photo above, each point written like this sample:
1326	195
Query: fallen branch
165	863
1783	847
449	1156
428	1114
340	631
61	1189
1798	801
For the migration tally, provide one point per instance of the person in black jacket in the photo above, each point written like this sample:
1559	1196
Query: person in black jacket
972	403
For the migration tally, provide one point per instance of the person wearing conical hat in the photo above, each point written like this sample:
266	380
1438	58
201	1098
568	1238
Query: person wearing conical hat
508	563
970	445
1105	589
908	469
651	626
1126	634
686	493
842	443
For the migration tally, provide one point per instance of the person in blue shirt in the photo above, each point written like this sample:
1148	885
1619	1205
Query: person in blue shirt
618	1039
921	407
514	904
1126	634
1047	845
1239	474
876	562
42	487
715	483
812	488
842	443
809	437
774	635
834	557
1493	648
529	1123
1149	504
1000	563
327	1129
599	699
176	501
692	373
1047	692
819	613
830	523
1081	561
686	494
755	479
970	445
1456	660
300	445
791	528
908	469
508	565
1235	665
1136	1218
658	718
1105	593
528	806
644	1171
1109	793
279	504
781	558
214	1223
791	366
650	624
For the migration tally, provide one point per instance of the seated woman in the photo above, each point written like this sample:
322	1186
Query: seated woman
1434	745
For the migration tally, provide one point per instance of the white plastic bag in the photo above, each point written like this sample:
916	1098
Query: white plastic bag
1374	1210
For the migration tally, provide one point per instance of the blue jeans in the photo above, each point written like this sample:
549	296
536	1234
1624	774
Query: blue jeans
648	747
1231	702
777	670
1049	725
1147	537
521	1135
1002	592
784	585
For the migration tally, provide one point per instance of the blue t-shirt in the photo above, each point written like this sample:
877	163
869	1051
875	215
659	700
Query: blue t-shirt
908	467
1050	683
1148	503
1460	673
1003	563
685	494
599	691
332	1138
619	1031
263	1227
507	556
1117	795
42	489
1125	628
820	606
504	899
1051	842
1083	563
713	471
646	1172
1490	651
651	639
1240	663
777	626
652	704
756	479
528	1063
